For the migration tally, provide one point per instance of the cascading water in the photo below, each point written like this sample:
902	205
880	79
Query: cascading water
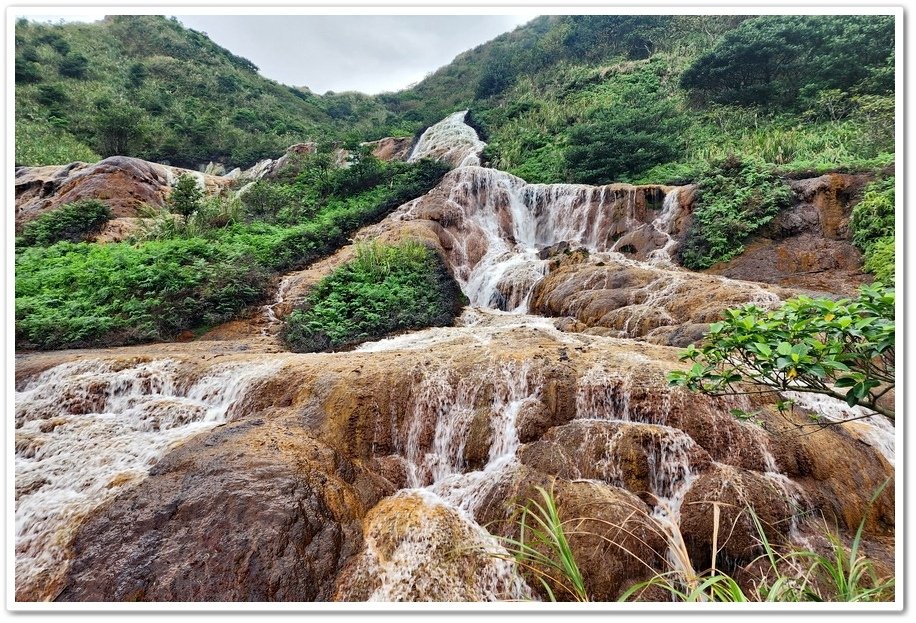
434	441
872	428
451	140
87	429
502	227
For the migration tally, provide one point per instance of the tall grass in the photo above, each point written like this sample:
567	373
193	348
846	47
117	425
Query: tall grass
543	549
784	573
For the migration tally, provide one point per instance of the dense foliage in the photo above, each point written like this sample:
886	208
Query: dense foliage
735	198
843	349
144	86
791	61
83	294
73	222
873	229
385	289
634	133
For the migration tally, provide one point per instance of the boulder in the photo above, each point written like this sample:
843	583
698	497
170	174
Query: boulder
124	184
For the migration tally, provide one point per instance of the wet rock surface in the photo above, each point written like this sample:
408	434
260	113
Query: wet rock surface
248	473
256	511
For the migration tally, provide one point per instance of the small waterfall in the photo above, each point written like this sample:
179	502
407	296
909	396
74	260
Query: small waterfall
444	411
87	429
451	140
437	434
664	223
873	429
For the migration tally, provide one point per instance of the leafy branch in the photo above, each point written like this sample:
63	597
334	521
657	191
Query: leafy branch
843	349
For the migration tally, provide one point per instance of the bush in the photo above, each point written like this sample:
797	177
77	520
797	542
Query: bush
873	229
735	199
873	217
879	260
73	222
385	289
639	131
186	195
74	66
843	349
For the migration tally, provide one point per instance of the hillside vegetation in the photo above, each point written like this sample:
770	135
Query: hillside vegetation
735	104
145	86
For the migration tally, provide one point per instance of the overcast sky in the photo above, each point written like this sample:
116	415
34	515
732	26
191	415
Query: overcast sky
368	53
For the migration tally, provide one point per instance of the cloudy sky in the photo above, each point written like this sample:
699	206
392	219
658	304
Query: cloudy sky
369	53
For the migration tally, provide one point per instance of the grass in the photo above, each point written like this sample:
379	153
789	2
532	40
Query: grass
785	573
542	548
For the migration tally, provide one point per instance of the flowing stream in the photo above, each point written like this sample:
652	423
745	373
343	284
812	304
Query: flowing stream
87	429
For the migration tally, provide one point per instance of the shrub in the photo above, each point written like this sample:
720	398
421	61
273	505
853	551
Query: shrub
27	71
873	229
879	260
73	222
735	198
843	349
385	289
74	66
186	195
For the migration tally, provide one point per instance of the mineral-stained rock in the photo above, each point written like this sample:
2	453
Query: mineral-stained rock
735	492
258	510
643	301
124	184
391	148
808	245
612	535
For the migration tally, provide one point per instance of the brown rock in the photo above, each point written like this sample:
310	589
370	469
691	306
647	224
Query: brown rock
124	184
254	511
391	148
734	491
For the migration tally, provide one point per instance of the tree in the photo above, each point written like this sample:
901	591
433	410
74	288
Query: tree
638	132
843	349
120	127
185	197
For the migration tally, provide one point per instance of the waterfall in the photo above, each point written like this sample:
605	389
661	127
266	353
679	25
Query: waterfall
501	229
451	140
873	429
86	430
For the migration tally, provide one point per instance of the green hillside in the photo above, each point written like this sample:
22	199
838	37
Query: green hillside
146	86
664	94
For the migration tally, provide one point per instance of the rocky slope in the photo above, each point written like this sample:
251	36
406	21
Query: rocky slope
225	469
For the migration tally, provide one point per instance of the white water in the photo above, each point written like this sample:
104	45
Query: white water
451	140
664	223
438	429
502	224
425	564
874	430
86	430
